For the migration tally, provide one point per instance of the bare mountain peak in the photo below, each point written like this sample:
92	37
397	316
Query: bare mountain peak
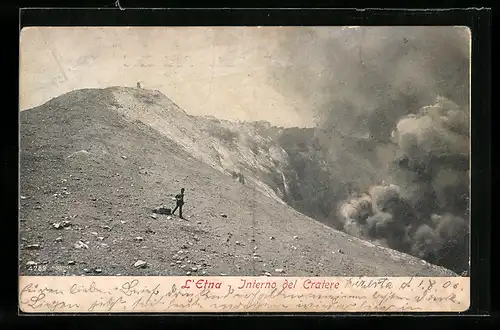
128	167
312	170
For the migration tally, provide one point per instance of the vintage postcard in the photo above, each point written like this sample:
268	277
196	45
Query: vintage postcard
244	169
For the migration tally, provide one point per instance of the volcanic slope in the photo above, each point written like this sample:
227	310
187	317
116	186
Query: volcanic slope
98	175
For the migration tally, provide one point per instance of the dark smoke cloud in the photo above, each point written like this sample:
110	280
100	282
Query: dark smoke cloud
362	80
424	211
405	87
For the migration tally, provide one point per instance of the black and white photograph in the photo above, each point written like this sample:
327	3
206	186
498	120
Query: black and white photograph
325	151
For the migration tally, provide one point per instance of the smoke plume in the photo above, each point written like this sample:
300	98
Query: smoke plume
406	88
361	80
424	211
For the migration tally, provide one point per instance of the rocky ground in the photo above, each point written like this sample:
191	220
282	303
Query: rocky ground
91	176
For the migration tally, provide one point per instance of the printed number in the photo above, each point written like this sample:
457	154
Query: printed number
38	268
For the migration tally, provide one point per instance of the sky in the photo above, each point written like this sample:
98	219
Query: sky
218	71
284	75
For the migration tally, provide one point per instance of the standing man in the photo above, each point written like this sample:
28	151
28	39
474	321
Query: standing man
179	202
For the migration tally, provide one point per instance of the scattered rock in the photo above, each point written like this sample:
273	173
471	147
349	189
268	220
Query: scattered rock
295	237
172	264
71	262
123	222
124	157
279	270
138	239
237	243
153	216
100	238
31	263
198	222
57	225
106	227
340	251
140	264
188	273
182	266
222	274
178	262
86	270
23	197
267	274
194	269
98	270
223	215
81	245
59	239
33	247
184	246
271	238
169	218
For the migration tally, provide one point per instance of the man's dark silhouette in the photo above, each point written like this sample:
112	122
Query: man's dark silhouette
179	202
